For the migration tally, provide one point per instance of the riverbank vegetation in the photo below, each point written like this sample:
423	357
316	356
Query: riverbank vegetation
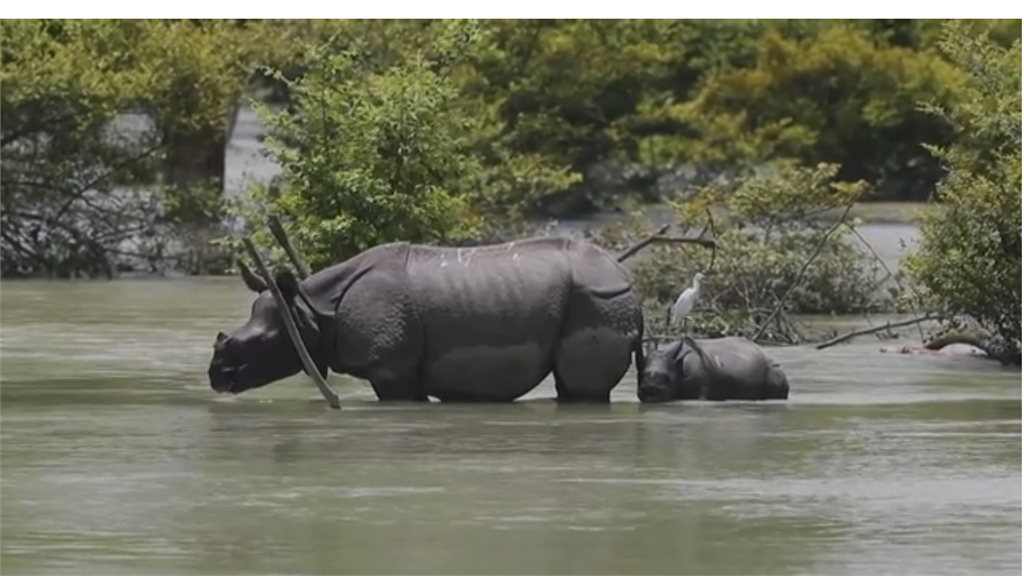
114	135
968	262
769	253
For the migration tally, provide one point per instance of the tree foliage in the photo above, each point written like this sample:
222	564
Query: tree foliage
378	147
833	94
632	110
969	259
114	132
372	155
96	115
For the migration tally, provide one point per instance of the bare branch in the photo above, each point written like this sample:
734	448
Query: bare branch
640	245
83	189
872	330
714	248
277	230
800	274
884	267
658	237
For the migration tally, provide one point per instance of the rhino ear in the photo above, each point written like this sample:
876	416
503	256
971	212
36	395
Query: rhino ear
254	283
288	284
291	291
685	344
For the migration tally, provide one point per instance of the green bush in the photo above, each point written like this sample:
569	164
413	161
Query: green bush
370	156
112	139
765	236
376	151
969	259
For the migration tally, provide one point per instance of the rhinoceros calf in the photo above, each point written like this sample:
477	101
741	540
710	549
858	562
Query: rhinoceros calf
714	369
484	323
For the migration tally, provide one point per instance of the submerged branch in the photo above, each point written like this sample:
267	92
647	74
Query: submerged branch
872	330
1005	354
951	338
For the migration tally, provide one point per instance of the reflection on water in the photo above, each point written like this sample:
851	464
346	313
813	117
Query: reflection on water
118	458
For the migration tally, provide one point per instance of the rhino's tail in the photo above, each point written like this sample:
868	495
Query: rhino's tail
709	367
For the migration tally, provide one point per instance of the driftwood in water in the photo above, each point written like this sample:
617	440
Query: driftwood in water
951	338
293	332
979	345
972	350
872	330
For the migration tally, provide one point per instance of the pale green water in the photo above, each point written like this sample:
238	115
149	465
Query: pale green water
117	458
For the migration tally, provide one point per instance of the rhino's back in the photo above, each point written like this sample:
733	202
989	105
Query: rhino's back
734	356
737	366
491	314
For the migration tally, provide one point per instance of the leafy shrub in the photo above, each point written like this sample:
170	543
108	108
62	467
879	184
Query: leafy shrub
765	237
376	152
969	260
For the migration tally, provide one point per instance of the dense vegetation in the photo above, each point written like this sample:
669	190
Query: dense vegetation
768	252
114	132
969	259
113	135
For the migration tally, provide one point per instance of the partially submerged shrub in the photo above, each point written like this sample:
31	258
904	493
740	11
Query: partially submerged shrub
970	255
767	243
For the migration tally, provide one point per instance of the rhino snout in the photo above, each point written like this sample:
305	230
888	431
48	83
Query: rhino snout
222	378
654	389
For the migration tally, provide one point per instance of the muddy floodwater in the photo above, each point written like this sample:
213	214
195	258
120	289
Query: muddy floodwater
117	458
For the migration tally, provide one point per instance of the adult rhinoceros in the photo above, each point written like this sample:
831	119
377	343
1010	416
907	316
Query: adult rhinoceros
484	323
715	369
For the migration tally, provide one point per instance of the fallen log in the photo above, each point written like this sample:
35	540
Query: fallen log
971	350
872	330
1005	355
951	338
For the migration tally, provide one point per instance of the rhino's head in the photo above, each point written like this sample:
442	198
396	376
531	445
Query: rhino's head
260	351
660	379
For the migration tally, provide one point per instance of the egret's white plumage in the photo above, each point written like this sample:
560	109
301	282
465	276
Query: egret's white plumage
687	299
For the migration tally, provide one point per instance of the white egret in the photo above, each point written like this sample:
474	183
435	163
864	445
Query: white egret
687	299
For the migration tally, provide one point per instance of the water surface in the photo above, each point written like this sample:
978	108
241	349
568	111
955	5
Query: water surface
117	458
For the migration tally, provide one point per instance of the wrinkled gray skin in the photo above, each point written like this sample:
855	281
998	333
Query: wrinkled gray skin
478	324
714	369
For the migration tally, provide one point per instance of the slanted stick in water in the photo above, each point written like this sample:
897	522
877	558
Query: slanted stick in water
277	230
